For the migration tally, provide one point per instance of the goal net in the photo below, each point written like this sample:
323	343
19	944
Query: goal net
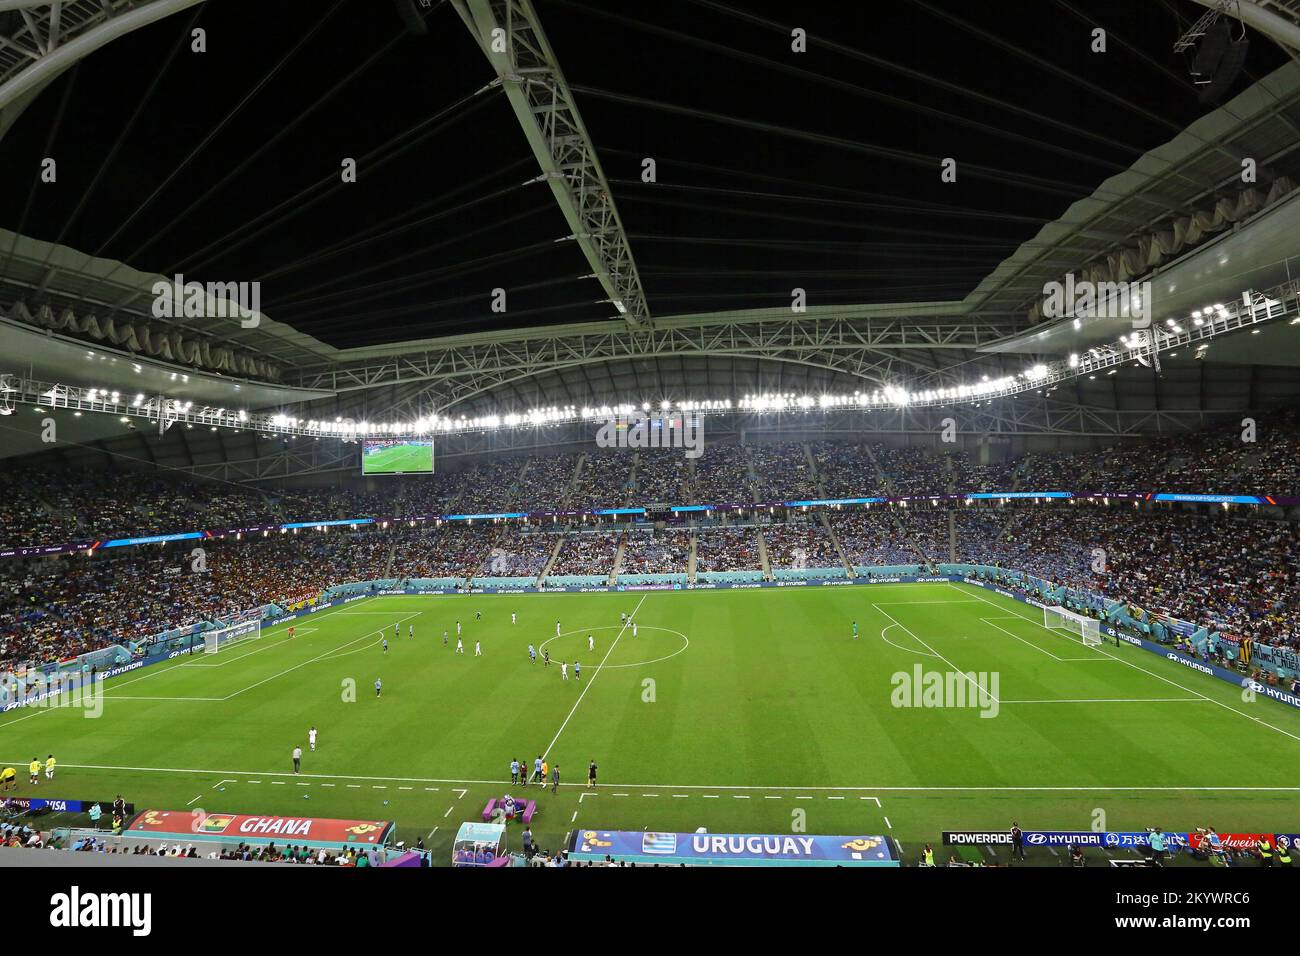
247	630
1087	629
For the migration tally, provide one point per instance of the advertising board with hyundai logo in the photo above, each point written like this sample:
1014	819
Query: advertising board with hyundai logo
1117	839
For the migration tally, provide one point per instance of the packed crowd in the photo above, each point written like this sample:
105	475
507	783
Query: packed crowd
727	549
1234	457
587	552
1236	575
407	496
51	507
912	470
490	486
781	472
800	545
660	477
656	552
39	507
846	470
15	833
872	537
301	855
518	553
442	551
547	483
603	481
62	607
977	477
928	530
1052	542
721	476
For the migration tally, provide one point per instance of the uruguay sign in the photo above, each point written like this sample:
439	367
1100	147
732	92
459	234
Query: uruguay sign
731	849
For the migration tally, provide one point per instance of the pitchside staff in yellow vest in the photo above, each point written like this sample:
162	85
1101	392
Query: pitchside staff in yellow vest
1265	847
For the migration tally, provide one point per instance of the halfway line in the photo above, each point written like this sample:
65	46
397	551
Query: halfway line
617	637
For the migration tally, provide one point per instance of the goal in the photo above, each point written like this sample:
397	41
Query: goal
1087	628
218	638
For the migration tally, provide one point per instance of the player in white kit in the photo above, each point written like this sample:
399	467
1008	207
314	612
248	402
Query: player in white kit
512	617
564	670
460	646
557	628
634	629
591	643
478	649
311	738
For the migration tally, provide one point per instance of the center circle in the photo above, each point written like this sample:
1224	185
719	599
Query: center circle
686	641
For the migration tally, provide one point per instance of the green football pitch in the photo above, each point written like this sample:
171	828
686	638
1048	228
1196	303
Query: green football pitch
736	710
399	459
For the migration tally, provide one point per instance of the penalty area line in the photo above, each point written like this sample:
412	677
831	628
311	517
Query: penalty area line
1149	673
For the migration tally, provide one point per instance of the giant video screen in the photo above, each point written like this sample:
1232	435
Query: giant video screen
397	456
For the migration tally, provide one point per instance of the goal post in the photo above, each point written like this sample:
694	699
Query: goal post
1087	629
217	638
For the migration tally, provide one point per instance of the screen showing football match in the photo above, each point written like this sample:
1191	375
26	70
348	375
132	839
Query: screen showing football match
397	456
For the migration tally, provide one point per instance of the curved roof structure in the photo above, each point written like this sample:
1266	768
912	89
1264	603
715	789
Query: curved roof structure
684	224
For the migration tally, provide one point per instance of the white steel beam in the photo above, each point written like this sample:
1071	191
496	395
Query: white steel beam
511	37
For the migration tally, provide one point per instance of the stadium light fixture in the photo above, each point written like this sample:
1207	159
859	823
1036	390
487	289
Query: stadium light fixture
1043	377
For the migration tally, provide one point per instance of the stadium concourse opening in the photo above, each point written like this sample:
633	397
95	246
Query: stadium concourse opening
711	434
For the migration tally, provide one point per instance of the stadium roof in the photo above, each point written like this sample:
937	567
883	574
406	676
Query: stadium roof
774	169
